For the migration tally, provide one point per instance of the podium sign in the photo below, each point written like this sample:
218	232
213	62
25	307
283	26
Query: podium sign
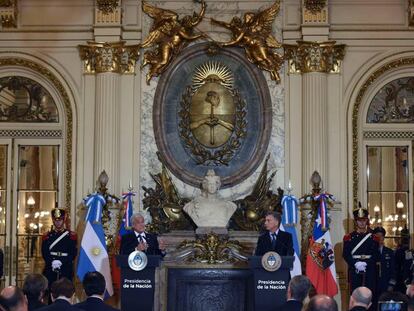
270	287
137	287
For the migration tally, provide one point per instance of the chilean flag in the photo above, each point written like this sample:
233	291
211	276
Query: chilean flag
322	274
125	228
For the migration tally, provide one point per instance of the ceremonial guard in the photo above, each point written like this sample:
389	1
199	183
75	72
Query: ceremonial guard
59	249
386	265
360	251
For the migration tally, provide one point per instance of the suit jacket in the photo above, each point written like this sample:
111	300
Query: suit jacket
94	304
60	305
291	305
284	244
129	242
34	304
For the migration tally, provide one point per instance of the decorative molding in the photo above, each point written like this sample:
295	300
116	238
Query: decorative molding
389	134
107	6
115	57
39	69
407	61
309	56
315	12
108	12
31	133
8	13
411	13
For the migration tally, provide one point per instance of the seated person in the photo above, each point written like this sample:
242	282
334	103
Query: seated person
139	239
62	292
297	291
94	285
35	288
12	298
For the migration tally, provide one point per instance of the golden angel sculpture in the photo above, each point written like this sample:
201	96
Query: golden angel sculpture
168	35
254	34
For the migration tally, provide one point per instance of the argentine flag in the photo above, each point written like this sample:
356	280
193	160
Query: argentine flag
93	255
289	221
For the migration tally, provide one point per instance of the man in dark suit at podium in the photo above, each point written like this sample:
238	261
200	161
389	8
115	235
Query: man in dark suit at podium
274	239
141	240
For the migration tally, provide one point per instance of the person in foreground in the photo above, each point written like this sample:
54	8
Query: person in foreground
297	291
35	288
94	285
361	299
274	239
139	239
12	298
322	303
62	292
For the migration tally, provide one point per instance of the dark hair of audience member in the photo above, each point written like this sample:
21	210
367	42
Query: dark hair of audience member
14	301
322	303
62	287
299	287
34	285
94	283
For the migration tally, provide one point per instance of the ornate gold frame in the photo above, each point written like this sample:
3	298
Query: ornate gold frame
406	61
28	64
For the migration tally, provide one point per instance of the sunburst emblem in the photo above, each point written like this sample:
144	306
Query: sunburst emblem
213	72
95	251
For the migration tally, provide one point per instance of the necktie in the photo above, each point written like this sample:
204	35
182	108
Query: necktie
141	238
274	240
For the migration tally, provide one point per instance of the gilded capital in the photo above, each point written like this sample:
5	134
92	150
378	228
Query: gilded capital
116	57
306	56
107	6
8	13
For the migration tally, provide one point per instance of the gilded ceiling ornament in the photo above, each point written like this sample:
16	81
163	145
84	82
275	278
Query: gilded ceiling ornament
109	57
309	56
314	6
212	116
168	36
107	6
254	34
8	13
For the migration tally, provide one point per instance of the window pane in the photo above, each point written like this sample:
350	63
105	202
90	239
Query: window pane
38	168
24	100
387	168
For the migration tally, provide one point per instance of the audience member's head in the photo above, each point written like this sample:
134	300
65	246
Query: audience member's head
361	297
389	301
62	288
35	286
322	303
94	284
298	288
410	304
410	291
13	299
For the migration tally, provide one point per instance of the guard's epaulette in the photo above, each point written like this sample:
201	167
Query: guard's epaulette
45	236
72	235
347	237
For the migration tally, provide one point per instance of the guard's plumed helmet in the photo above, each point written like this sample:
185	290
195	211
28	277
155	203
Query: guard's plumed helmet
58	213
360	212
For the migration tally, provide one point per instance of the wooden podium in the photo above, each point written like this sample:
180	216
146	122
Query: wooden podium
137	287
270	287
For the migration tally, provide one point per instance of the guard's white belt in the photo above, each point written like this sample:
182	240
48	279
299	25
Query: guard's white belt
361	256
58	254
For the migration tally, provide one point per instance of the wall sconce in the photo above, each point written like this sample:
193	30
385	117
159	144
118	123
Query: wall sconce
400	204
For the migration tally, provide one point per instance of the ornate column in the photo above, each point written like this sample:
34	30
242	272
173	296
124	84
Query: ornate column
108	61
314	60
